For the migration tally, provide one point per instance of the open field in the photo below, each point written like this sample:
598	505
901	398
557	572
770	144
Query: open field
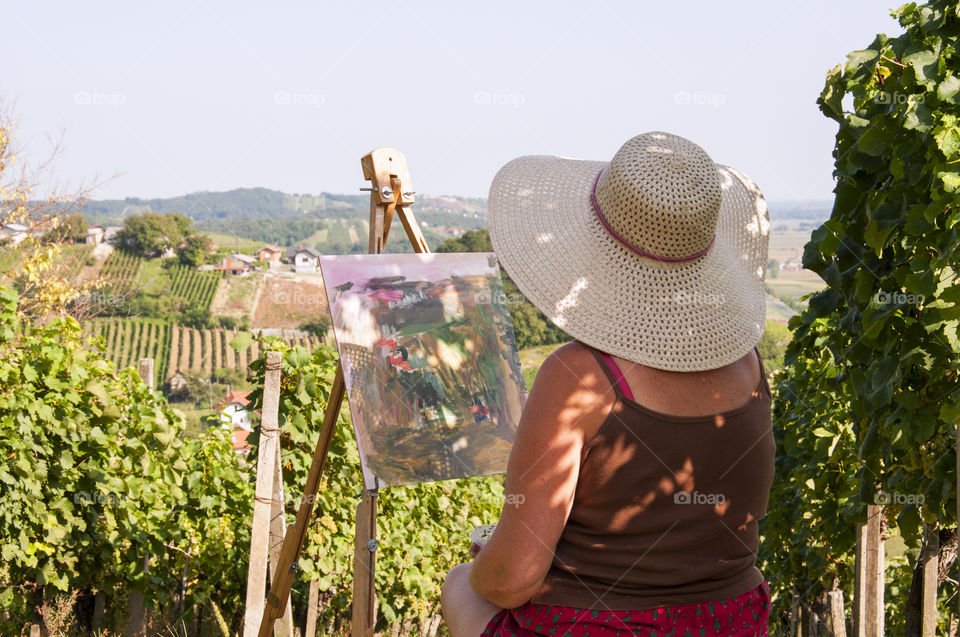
236	296
787	239
225	240
795	283
289	301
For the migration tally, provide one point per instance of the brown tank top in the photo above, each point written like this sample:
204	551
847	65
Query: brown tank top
666	507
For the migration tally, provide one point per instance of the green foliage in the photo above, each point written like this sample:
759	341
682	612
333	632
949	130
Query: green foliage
193	251
197	317
236	378
318	326
149	234
772	344
97	476
422	528
192	288
471	241
531	328
120	277
72	228
773	269
871	399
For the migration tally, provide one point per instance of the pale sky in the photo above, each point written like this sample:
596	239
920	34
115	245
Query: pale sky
188	96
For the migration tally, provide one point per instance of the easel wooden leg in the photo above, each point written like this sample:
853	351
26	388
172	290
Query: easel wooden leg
364	564
293	541
391	192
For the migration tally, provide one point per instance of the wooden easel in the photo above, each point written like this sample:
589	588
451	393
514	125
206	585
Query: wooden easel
390	192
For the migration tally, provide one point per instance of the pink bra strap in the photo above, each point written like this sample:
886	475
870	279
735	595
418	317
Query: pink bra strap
617	374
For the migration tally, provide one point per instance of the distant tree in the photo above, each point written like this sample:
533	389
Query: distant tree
71	229
772	344
150	234
318	326
773	268
235	378
184	224
196	389
530	326
197	317
470	241
193	251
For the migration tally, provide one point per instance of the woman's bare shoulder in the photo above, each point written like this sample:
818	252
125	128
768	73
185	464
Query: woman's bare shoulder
570	390
574	357
571	368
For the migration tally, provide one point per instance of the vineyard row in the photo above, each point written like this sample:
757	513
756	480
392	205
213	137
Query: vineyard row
175	347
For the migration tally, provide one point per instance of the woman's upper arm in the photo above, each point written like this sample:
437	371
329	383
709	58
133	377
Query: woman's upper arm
566	405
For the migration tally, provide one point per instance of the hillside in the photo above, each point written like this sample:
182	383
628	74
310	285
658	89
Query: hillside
333	224
337	223
263	203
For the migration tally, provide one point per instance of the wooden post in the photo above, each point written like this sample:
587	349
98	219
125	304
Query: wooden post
99	605
278	528
146	371
837	626
868	576
313	601
263	499
136	613
794	629
930	564
364	562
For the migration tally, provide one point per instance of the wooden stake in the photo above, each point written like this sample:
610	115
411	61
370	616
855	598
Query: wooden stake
146	371
278	528
868	576
266	466
313	600
930	563
837	625
99	604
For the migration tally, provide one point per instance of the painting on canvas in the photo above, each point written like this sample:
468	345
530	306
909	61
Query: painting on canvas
430	362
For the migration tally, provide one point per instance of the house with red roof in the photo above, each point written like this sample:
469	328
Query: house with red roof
234	410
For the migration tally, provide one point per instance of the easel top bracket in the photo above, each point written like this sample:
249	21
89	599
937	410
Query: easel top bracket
387	169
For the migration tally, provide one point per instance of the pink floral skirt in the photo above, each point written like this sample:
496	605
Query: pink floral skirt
745	615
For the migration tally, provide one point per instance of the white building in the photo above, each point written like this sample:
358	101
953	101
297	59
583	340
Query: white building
13	232
304	259
234	412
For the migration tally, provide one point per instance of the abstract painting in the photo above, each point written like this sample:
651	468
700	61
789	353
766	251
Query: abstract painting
430	362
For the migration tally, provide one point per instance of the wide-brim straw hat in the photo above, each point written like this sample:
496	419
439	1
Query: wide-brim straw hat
657	256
